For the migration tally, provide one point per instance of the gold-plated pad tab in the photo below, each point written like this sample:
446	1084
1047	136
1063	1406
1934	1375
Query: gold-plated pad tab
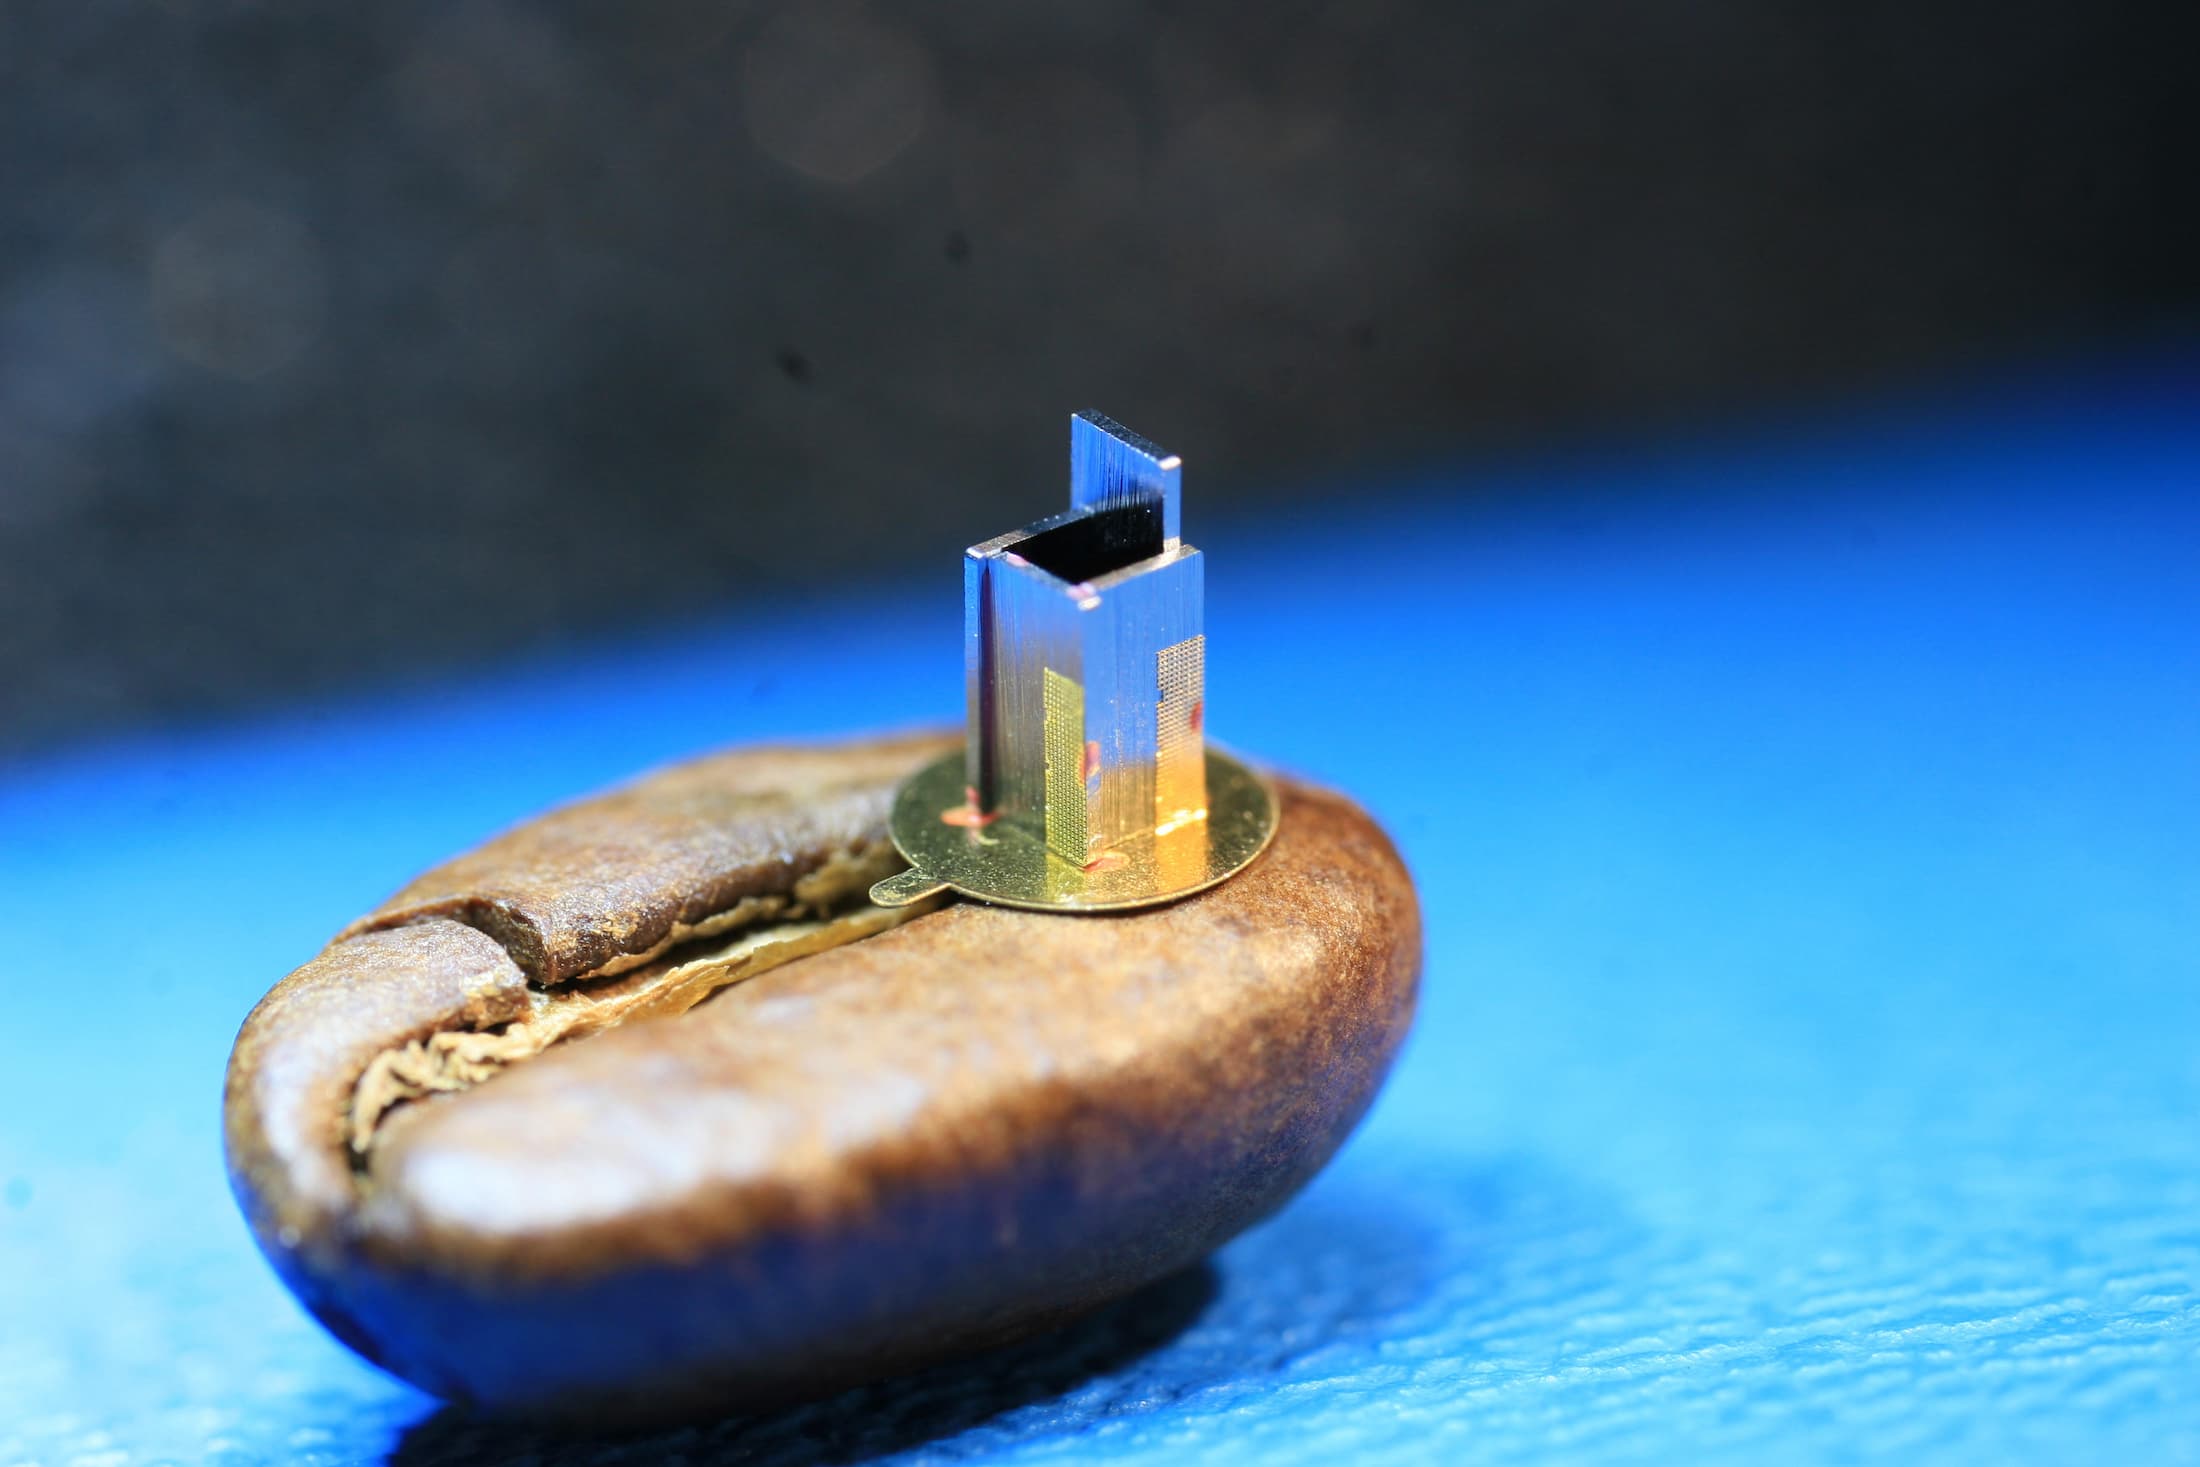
1005	863
906	889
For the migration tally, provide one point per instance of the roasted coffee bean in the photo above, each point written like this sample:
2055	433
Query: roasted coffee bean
641	1111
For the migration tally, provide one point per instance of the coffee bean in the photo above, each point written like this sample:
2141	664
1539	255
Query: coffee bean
642	1112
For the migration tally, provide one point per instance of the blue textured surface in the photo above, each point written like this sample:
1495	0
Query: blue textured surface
1809	1065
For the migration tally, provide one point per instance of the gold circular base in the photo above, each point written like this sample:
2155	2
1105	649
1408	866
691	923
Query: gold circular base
1010	865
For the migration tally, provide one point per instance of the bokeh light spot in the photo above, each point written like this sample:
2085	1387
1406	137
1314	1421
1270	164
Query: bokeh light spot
834	92
238	289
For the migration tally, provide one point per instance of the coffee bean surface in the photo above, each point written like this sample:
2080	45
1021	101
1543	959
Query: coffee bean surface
642	1111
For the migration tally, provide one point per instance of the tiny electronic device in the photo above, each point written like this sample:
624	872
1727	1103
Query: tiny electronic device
1086	783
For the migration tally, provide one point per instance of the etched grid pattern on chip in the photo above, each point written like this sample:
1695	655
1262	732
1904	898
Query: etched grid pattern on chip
1065	754
1180	763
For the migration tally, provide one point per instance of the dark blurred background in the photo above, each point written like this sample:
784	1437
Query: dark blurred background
344	342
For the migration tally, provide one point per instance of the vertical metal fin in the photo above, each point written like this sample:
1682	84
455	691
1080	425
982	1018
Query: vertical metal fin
982	679
1110	467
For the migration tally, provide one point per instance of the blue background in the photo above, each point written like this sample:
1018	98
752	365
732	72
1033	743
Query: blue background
1808	822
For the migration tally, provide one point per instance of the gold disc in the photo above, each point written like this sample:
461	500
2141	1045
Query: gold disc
1009	865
